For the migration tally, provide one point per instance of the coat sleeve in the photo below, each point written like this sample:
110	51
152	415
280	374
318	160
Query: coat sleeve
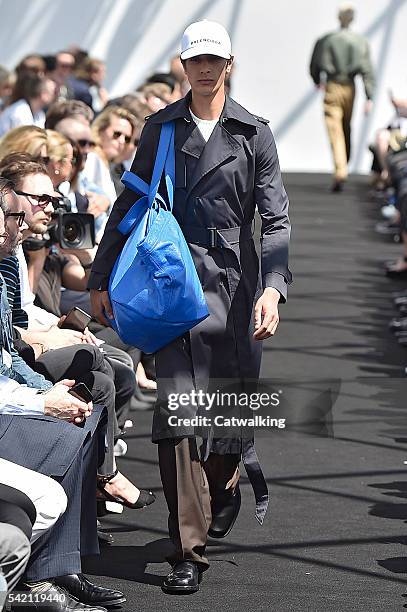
366	70
113	241
315	63
272	204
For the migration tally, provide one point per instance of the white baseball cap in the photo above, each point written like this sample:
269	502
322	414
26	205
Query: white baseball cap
205	38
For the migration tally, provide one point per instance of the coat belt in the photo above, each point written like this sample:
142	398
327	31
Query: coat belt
217	237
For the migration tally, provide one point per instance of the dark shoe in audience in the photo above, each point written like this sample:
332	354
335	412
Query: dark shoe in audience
145	497
183	578
387	228
398	324
337	186
52	598
225	508
88	593
104	537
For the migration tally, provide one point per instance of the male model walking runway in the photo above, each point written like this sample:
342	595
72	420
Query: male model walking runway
226	164
336	59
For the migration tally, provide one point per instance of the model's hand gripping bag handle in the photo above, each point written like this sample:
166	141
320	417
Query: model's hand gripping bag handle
154	288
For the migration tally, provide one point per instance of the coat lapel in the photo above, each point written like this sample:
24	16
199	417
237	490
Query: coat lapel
219	147
192	141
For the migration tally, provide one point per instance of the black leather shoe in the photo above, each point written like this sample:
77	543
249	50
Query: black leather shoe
184	578
337	186
88	593
225	508
53	599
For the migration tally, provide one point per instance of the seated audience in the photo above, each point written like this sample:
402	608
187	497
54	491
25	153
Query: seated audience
31	64
61	158
39	430
7	81
68	109
112	130
84	195
25	139
83	362
31	95
87	84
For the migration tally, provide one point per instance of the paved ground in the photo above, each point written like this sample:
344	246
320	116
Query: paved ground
335	535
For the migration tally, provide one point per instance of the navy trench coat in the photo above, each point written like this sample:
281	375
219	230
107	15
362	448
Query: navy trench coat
218	185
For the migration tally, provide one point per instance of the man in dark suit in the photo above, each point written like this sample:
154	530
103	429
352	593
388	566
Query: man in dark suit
46	429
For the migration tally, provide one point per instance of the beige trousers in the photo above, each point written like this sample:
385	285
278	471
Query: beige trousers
189	485
338	106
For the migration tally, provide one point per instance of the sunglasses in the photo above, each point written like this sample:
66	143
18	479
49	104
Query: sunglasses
84	142
116	136
41	200
19	217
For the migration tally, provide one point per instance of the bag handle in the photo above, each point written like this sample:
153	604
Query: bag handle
165	149
165	160
170	171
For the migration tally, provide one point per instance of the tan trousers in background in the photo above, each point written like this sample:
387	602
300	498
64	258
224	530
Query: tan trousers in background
338	106
188	486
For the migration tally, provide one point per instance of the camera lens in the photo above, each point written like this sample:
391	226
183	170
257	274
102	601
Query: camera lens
72	232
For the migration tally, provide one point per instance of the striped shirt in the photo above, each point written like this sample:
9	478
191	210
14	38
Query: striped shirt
9	270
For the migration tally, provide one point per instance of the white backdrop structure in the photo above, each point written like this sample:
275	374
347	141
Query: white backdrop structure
272	41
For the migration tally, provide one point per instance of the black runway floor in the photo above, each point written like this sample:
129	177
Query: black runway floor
335	535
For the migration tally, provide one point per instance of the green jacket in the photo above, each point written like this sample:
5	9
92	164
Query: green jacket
341	55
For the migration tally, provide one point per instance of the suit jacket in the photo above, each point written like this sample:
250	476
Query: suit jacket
43	443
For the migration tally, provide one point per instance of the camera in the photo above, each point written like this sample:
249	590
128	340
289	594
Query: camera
71	230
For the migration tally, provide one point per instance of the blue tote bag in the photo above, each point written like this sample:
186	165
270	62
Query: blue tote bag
154	288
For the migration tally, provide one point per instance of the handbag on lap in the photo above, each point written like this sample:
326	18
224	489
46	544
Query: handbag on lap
154	288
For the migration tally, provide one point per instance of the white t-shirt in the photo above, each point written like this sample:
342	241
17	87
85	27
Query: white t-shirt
206	126
97	172
17	114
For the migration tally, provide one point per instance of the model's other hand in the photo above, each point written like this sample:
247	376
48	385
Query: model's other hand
60	404
368	106
266	314
100	304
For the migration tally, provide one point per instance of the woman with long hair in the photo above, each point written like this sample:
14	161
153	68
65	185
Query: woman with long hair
31	95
